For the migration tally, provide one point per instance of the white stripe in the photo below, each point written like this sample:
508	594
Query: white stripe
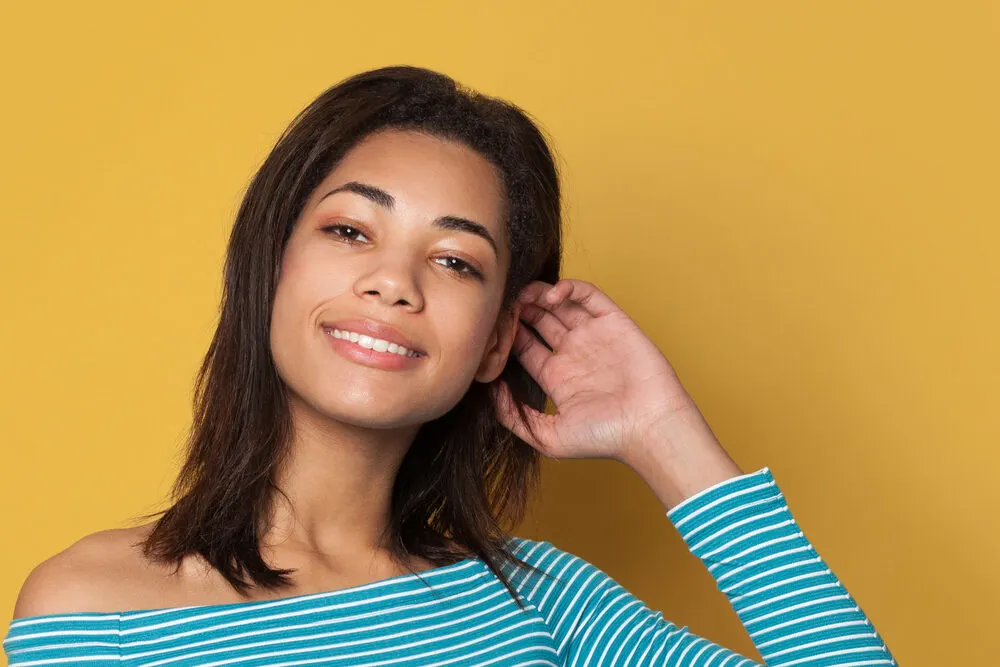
611	640
719	562
785	610
393	647
489	647
319	610
667	630
803	619
739	569
785	596
742	522
49	647
712	657
811	658
677	644
63	661
635	628
676	509
820	642
694	642
773	570
739	508
547	569
748	535
551	585
61	633
60	618
784	582
244	607
600	611
698	654
316	636
821	628
572	605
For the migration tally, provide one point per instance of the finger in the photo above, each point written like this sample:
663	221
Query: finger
533	291
586	294
540	422
573	302
545	323
531	354
569	314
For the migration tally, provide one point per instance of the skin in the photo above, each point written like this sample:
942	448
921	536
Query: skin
616	395
352	424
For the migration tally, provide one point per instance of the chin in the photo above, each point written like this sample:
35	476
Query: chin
363	405
369	412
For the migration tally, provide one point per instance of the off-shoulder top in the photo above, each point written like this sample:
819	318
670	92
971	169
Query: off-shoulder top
794	608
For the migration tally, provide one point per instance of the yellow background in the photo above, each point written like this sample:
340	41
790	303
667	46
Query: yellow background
798	202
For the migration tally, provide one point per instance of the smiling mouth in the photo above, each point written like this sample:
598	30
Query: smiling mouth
372	343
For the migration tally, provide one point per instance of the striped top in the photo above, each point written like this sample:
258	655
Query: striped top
794	608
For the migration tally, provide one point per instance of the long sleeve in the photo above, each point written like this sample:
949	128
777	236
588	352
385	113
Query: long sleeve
794	608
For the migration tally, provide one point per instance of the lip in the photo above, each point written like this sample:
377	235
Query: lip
386	361
375	329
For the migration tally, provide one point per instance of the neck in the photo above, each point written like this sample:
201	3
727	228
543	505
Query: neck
337	482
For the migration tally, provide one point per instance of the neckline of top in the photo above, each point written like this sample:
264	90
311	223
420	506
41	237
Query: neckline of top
224	606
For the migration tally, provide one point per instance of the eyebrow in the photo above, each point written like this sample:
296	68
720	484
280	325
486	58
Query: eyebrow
387	201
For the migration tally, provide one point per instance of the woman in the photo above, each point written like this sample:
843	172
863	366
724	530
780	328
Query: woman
369	418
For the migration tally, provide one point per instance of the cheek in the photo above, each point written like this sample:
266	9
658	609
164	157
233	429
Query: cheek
467	334
283	315
303	287
294	300
286	298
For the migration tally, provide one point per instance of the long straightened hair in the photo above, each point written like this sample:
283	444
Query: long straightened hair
465	478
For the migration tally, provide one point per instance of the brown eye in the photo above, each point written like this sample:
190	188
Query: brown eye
345	232
463	268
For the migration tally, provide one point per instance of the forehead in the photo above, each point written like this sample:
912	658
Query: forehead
426	175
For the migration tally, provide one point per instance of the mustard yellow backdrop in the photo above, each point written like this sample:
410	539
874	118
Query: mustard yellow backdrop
798	201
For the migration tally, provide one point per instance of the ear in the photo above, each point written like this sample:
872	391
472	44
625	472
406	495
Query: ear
498	348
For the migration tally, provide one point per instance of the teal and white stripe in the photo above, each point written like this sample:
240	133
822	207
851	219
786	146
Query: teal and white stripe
794	608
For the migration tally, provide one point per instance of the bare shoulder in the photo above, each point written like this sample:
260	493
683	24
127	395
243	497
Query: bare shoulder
90	575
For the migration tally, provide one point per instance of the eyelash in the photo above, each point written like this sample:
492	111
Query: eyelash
468	269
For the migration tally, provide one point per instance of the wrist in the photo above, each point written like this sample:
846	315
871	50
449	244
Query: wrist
680	459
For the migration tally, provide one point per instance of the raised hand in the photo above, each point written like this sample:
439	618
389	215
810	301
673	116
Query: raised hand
608	381
616	395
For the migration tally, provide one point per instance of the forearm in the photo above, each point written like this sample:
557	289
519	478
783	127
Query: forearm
793	606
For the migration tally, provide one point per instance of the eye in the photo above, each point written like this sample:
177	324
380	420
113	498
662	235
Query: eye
462	267
349	234
346	235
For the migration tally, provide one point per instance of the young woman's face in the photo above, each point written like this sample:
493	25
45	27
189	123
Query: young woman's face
407	232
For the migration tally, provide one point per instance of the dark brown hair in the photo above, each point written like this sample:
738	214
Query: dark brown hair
465	477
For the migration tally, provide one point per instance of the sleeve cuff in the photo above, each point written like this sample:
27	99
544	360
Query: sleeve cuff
710	504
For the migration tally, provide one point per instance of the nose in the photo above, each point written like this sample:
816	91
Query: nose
392	284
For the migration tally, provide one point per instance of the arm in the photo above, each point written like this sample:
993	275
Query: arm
616	396
794	608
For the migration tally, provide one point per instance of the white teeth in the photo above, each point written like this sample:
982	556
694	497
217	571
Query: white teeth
371	343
